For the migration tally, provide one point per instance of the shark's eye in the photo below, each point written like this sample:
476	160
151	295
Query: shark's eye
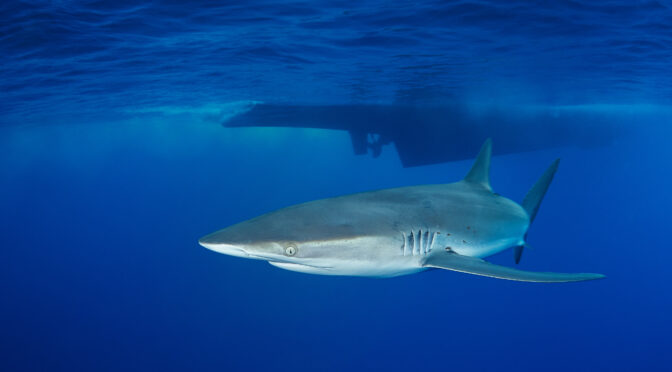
290	250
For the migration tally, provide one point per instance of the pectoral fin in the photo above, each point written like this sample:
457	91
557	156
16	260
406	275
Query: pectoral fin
477	266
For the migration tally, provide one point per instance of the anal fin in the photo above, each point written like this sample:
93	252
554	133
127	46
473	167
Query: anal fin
472	265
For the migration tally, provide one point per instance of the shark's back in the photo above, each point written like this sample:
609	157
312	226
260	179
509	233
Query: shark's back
471	219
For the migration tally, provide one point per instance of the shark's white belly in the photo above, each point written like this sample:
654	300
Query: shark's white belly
368	257
379	268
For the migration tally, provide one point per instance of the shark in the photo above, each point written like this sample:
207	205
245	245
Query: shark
399	231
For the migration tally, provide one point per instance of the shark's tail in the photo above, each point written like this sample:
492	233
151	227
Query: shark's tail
533	199
478	177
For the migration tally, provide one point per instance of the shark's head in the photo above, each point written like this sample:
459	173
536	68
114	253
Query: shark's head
306	235
249	240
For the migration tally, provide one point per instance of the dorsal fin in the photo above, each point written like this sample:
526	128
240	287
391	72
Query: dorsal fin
480	171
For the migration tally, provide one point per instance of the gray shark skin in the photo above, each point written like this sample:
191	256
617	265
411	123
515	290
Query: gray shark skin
397	231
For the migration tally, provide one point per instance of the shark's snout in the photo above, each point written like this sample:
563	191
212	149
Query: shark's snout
210	242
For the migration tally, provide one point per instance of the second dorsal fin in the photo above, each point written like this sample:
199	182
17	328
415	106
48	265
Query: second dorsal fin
479	174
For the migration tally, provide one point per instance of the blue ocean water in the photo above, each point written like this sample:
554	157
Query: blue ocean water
113	163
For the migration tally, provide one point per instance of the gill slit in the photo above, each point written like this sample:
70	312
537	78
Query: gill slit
418	242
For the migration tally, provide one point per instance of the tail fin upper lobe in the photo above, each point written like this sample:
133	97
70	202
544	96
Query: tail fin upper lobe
533	199
536	194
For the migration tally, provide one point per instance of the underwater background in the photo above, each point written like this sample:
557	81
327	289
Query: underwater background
114	161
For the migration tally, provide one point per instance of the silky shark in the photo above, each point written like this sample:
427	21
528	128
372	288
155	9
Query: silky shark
398	231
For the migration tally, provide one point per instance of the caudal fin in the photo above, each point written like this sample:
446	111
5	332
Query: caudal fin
536	194
533	199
